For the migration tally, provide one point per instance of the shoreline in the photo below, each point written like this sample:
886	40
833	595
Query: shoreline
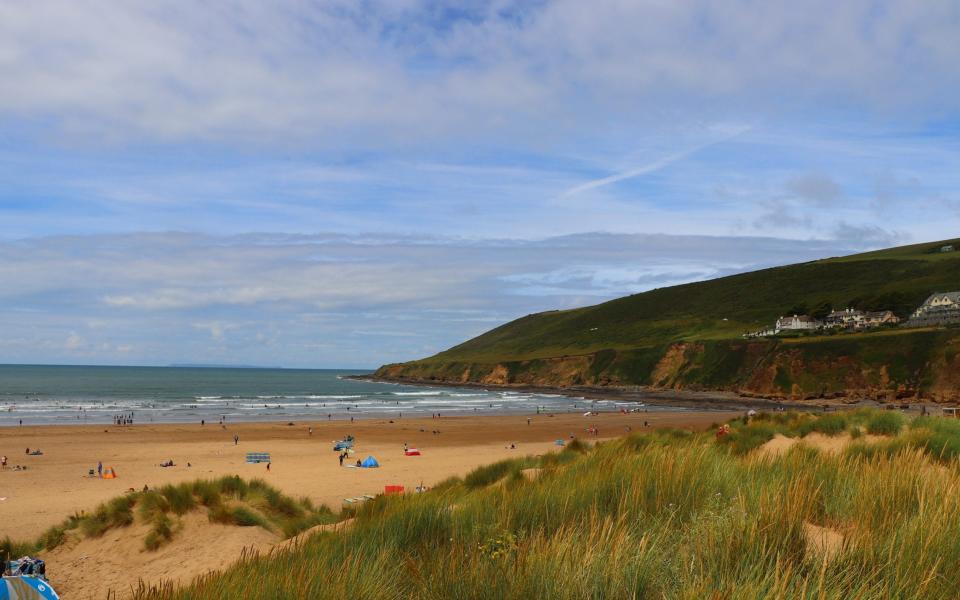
720	400
688	399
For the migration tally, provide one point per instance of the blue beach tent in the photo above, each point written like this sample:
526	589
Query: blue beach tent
369	463
24	587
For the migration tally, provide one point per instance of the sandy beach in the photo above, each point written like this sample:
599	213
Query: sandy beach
55	485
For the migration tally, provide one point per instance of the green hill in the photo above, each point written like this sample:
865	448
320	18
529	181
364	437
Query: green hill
690	335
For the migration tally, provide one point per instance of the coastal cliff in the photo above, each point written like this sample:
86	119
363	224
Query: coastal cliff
689	337
883	366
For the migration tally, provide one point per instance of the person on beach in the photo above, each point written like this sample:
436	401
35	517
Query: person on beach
236	439
202	422
3	462
309	430
100	469
528	421
341	459
268	467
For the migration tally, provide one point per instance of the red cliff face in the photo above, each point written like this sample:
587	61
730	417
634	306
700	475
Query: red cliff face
882	367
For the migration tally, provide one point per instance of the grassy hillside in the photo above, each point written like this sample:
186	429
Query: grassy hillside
626	340
664	515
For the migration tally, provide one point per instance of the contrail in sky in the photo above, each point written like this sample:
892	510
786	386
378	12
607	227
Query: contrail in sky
650	167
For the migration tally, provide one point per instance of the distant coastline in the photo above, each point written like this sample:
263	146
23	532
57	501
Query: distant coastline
219	366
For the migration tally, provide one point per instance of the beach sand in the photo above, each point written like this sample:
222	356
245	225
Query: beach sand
56	485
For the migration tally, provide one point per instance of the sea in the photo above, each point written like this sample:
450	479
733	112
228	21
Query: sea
48	395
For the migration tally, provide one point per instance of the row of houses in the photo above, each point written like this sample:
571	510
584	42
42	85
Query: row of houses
938	309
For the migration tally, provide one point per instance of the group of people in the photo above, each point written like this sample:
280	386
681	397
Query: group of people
124	419
4	460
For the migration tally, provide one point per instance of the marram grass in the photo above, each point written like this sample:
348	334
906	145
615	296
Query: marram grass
229	500
664	515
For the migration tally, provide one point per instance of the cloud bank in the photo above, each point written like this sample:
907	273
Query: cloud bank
327	300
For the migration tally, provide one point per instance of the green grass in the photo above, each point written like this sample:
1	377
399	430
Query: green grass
229	500
488	474
886	423
832	424
677	516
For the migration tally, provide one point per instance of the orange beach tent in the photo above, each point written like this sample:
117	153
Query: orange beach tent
109	473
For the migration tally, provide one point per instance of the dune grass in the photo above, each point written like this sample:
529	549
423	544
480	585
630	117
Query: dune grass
661	515
229	500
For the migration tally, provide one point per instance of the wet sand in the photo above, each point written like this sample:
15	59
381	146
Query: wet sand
56	485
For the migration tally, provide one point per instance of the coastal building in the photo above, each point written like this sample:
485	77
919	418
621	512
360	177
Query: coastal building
797	323
947	248
848	317
940	308
878	318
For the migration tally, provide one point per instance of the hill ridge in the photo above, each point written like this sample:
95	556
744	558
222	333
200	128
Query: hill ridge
689	335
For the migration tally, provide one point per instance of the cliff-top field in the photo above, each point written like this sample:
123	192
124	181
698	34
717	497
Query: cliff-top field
856	505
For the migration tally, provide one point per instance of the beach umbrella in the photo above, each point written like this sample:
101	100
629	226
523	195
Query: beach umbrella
26	588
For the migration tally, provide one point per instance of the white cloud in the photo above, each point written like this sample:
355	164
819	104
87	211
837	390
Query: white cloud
266	299
73	342
358	72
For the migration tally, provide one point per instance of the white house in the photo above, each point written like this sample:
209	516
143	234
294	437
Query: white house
796	323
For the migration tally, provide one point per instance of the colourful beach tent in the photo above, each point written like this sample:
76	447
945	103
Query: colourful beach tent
369	463
411	452
26	588
109	473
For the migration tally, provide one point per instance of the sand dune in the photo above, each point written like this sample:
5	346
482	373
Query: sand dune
834	444
55	485
88	568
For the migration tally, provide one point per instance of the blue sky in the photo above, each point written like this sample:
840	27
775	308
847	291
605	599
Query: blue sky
343	183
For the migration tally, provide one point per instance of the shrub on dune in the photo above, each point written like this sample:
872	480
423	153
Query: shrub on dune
886	423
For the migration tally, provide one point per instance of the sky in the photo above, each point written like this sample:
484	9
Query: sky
346	183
